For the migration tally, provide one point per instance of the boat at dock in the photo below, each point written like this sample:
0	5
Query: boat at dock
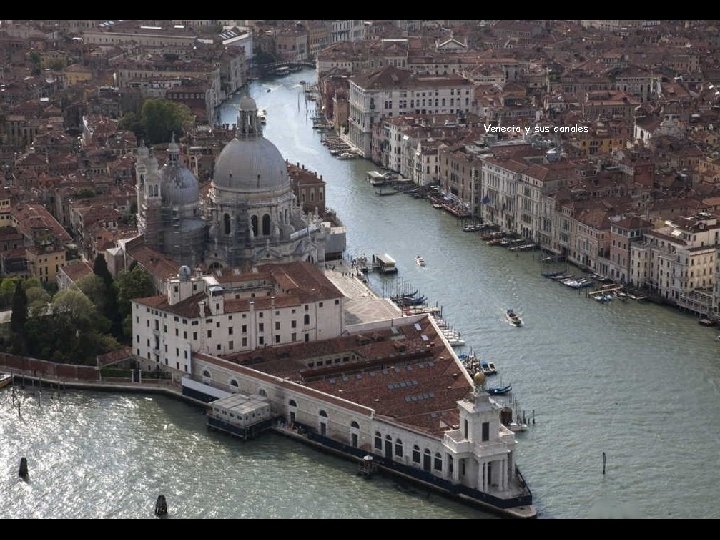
488	368
707	322
5	379
385	191
384	264
499	390
517	426
376	178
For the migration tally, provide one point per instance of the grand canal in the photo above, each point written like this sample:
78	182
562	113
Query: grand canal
636	381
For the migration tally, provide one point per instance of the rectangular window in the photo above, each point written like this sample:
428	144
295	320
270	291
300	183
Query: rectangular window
230	345
277	325
261	327
261	340
209	333
244	328
277	338
486	431
194	336
293	336
244	342
293	324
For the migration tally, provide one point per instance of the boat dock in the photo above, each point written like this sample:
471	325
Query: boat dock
240	415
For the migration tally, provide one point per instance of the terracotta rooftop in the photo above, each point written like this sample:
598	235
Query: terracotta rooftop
397	372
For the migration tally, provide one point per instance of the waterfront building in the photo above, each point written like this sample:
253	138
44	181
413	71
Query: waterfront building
678	261
623	234
391	389
391	91
272	305
519	195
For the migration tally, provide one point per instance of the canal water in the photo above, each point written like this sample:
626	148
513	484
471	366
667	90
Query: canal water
636	381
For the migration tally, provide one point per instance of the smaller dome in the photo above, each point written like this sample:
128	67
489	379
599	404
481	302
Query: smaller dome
247	104
479	378
179	186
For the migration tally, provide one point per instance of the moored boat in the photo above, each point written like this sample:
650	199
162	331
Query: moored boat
499	390
5	379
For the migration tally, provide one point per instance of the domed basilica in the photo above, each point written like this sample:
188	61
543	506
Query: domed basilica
251	215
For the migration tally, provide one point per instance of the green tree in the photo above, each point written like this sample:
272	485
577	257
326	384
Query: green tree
18	318
135	283
108	307
30	282
7	290
72	333
36	62
160	118
132	122
76	306
95	289
100	269
38	300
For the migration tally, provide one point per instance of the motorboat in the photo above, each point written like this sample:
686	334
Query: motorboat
499	390
5	379
488	368
419	261
513	318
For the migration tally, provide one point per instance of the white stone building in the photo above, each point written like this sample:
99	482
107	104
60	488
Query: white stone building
389	392
678	261
391	91
223	314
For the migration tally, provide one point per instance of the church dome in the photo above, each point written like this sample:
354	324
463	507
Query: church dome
251	164
178	186
247	104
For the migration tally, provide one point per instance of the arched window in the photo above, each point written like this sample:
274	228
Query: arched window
253	225
438	461
227	223
323	414
206	373
416	454
266	225
292	403
398	448
262	392
234	383
355	425
378	441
